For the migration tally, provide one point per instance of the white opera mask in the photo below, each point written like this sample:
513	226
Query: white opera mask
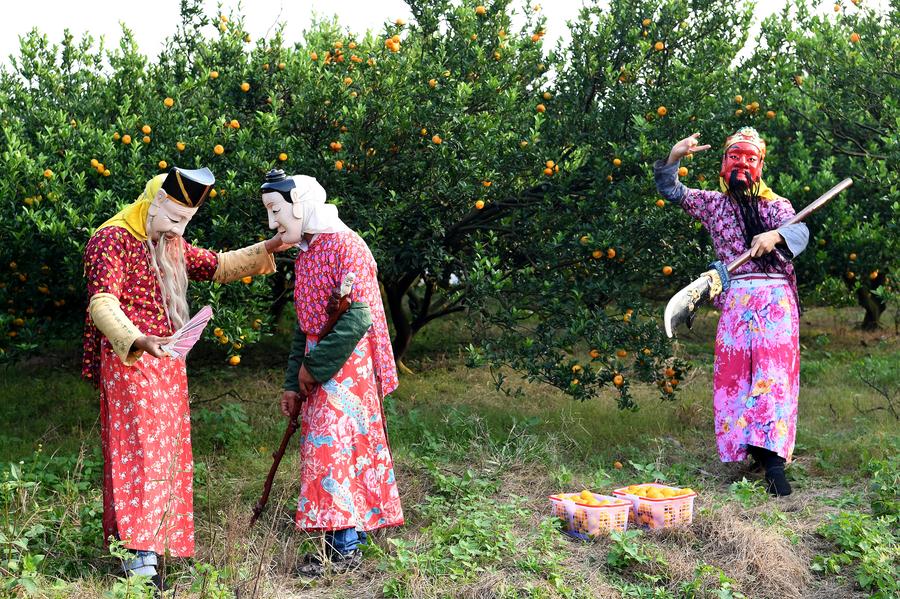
166	217
284	216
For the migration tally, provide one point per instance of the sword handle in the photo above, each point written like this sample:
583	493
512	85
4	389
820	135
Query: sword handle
799	217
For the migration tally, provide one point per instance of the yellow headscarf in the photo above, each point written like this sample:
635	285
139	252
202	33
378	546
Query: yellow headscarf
133	217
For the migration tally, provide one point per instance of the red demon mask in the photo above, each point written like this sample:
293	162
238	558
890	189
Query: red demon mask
746	152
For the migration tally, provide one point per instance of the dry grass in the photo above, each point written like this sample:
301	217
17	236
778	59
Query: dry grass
529	447
759	558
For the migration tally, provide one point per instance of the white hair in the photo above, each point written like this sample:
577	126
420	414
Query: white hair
167	258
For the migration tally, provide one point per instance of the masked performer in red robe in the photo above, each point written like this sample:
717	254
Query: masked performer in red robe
347	483
137	266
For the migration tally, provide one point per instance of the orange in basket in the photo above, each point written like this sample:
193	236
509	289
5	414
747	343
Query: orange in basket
588	515
656	505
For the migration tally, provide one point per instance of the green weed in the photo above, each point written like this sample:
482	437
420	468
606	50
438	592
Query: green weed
885	487
869	546
225	428
625	550
749	492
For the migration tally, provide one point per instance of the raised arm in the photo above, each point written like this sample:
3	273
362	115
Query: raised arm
225	267
666	173
688	145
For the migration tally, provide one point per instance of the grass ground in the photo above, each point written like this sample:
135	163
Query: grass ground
475	467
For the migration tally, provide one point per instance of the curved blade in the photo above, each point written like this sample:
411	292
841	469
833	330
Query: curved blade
683	305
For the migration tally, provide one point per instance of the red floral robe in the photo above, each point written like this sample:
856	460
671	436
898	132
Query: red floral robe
347	472
144	415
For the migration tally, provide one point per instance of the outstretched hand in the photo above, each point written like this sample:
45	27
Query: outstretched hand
686	146
274	244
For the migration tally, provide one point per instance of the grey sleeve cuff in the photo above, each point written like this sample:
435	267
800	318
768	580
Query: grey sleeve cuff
796	237
667	183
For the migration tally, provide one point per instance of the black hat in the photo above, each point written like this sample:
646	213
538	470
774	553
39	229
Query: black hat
277	181
188	187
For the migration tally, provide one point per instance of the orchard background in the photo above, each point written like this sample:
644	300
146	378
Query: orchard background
504	186
490	174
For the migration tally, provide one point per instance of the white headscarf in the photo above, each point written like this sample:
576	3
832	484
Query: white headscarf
308	198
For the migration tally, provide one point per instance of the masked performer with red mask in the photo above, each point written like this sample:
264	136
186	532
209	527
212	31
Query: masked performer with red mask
137	266
347	483
756	377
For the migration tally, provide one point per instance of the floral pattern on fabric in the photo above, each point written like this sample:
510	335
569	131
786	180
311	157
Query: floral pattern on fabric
347	473
320	269
115	262
756	377
145	429
144	416
720	217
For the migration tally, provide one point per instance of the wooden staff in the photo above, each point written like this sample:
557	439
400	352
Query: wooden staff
334	314
683	305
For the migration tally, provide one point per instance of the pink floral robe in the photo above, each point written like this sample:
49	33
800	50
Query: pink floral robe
145	426
756	378
347	472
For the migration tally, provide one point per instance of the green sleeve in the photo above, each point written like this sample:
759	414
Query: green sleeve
295	360
332	352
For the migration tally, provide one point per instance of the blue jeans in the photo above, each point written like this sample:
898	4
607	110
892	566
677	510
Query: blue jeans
344	541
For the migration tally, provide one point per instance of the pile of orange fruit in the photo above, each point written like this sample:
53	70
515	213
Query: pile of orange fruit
654	492
587	498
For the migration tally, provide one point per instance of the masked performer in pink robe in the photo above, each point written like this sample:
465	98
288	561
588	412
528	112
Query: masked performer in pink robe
137	266
756	377
347	484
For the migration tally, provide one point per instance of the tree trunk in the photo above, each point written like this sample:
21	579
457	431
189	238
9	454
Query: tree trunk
403	332
872	304
281	293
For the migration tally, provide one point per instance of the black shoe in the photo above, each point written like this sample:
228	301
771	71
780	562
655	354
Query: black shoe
776	482
756	459
347	562
159	583
314	567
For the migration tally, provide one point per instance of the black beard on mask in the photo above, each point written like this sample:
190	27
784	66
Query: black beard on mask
744	195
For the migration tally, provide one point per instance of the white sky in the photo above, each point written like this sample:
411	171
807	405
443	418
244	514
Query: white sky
153	21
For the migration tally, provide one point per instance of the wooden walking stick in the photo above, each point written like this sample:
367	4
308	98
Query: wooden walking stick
335	314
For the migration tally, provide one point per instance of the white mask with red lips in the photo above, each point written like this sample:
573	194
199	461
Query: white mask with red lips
307	211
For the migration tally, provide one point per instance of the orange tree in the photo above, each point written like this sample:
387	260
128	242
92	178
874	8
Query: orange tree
835	75
636	78
80	139
488	173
